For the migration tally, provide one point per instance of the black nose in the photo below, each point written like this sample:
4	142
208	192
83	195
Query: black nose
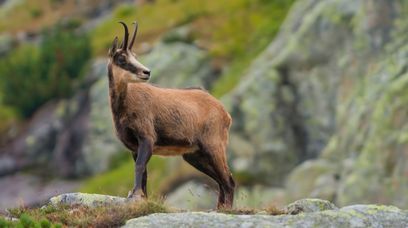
146	72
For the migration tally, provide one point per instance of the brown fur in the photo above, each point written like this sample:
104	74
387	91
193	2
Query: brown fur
159	121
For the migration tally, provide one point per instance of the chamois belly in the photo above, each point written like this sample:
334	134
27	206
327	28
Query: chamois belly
173	150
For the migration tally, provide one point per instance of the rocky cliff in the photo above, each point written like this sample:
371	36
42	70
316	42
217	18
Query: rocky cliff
332	88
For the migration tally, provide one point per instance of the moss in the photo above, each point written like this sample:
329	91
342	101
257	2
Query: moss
355	213
381	208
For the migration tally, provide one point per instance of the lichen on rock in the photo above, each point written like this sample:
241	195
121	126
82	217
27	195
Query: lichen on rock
84	199
352	216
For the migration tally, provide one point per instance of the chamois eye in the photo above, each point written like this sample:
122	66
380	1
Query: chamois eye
121	59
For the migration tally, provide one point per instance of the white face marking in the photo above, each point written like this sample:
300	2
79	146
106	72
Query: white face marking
136	63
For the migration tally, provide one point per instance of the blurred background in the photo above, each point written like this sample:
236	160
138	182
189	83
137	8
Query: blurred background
318	92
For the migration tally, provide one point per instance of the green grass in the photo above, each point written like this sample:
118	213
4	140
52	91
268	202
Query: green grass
260	22
26	221
119	181
104	216
154	20
234	37
83	216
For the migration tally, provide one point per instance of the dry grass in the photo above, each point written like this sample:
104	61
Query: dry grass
83	216
270	210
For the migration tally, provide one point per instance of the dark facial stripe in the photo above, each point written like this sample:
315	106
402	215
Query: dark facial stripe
126	65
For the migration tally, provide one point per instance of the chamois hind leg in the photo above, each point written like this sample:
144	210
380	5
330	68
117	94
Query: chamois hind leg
218	160
202	163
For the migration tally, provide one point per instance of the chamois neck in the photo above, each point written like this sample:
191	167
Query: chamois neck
117	88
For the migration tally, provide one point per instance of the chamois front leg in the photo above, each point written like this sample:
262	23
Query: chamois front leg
144	154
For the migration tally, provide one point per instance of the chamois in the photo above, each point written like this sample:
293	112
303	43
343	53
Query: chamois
150	120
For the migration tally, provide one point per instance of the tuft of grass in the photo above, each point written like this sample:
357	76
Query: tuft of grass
270	210
273	210
83	216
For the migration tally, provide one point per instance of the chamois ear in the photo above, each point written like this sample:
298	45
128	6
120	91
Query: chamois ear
114	47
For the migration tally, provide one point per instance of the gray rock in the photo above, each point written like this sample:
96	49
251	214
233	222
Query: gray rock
178	65
192	196
309	206
352	216
259	196
84	199
305	178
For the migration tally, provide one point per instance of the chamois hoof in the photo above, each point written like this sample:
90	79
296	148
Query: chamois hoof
130	193
134	196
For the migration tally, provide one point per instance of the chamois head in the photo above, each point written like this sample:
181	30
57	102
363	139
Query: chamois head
125	59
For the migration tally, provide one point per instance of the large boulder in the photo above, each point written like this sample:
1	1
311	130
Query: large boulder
351	216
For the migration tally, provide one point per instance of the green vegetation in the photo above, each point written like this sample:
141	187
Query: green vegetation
233	37
103	216
82	216
119	181
252	28
27	222
33	16
33	75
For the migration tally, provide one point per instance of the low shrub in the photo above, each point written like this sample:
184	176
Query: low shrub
32	75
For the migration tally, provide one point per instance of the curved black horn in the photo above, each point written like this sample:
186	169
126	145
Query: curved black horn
126	37
134	36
